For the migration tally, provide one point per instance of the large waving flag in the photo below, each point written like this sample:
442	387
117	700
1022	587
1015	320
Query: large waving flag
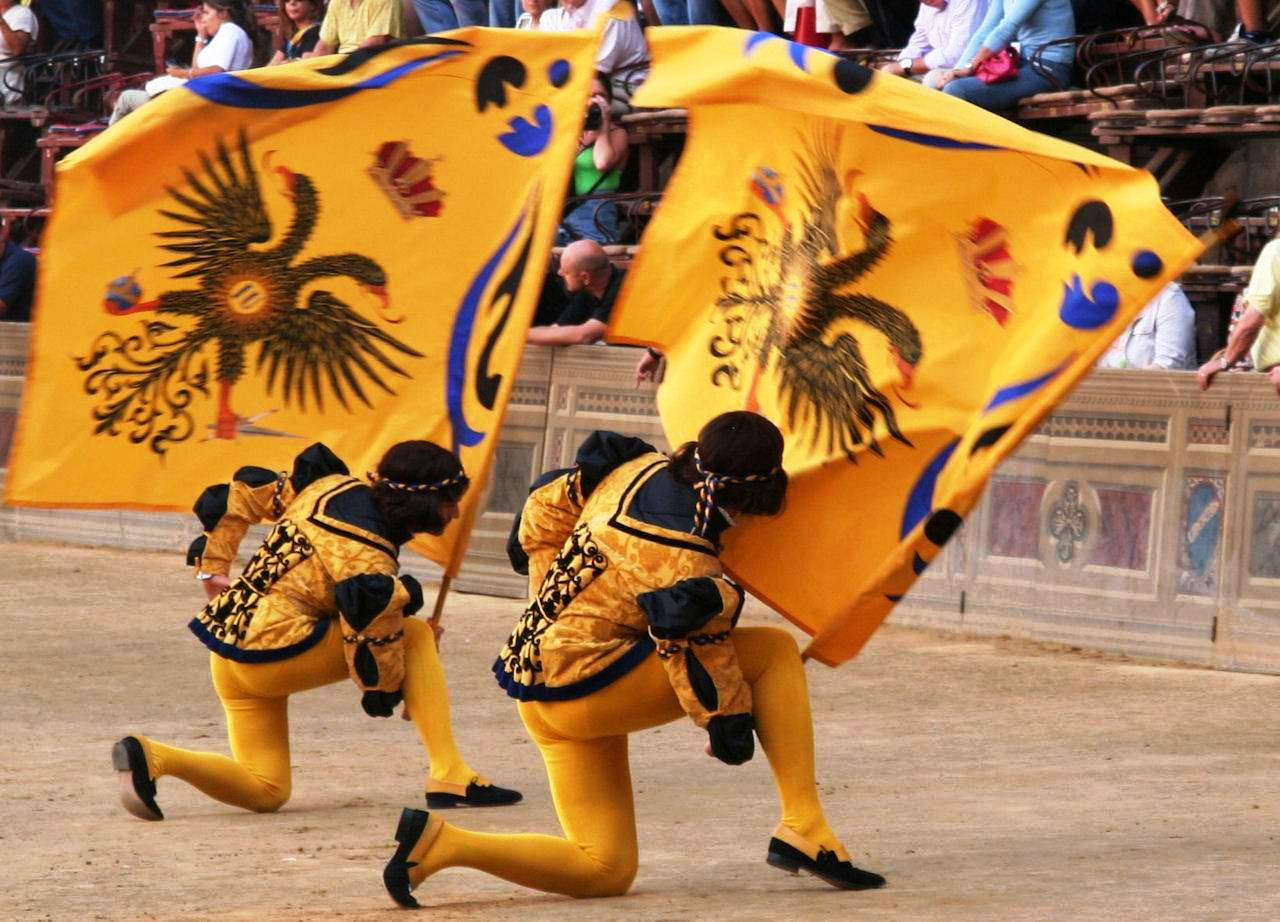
346	250
905	284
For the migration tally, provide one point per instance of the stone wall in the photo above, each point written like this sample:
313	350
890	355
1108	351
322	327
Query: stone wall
1143	517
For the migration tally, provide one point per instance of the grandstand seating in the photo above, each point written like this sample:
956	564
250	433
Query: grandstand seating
1166	98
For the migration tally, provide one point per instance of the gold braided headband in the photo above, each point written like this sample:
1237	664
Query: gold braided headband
453	481
707	486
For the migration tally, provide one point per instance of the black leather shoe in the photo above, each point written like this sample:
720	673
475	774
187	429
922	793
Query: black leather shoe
827	866
137	790
477	795
395	876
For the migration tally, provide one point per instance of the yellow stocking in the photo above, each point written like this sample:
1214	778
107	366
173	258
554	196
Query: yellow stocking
426	695
583	743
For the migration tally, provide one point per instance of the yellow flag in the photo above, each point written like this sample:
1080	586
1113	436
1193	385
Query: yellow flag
345	249
904	283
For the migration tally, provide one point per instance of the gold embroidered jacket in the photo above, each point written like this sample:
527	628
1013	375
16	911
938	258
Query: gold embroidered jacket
615	572
330	555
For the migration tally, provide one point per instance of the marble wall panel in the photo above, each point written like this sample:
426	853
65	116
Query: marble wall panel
1015	518
1124	534
1264	542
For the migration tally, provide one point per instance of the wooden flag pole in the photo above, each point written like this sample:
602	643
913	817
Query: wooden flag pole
441	593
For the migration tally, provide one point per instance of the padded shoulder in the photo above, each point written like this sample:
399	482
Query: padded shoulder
355	506
313	463
604	451
664	501
414	588
679	610
212	505
255	476
362	598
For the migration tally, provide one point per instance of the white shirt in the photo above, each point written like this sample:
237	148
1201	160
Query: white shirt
230	48
20	19
940	36
1163	335
623	47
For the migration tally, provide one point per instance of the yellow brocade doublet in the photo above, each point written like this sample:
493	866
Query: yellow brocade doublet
615	574
329	555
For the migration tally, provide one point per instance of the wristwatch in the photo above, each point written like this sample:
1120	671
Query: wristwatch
203	576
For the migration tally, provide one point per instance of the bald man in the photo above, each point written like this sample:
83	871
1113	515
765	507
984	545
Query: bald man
592	283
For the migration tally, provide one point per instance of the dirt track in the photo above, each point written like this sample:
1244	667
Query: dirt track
987	780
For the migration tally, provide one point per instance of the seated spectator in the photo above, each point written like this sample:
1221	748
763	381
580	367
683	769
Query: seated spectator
1032	24
443	15
76	23
825	23
299	29
602	154
352	24
623	54
942	32
17	279
592	283
1162	336
1258	332
18	31
223	43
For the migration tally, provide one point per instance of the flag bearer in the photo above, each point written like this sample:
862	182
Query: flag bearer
630	625
320	600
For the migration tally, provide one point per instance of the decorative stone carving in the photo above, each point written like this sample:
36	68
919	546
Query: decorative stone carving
1068	524
1208	432
1154	429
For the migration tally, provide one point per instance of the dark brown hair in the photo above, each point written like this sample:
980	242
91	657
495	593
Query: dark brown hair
417	463
738	444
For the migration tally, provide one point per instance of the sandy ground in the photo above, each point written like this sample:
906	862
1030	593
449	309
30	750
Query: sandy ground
986	780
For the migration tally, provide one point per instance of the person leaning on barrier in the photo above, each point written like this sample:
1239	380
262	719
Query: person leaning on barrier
592	283
1162	336
1258	331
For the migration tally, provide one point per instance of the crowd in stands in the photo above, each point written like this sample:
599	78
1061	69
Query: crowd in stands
992	53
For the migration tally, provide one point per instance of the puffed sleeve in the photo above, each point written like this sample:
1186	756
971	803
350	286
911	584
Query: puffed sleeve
692	623
254	495
372	606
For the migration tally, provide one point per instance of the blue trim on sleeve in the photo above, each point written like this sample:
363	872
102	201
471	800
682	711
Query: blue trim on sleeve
238	655
611	673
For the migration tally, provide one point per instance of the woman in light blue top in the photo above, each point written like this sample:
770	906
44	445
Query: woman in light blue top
1030	23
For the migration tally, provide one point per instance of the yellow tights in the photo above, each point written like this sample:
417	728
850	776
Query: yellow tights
255	697
584	745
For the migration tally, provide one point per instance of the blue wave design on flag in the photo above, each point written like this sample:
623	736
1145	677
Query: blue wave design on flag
1022	388
460	339
930	140
237	92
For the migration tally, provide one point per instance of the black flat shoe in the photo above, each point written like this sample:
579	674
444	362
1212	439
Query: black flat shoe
827	866
477	795
395	876
137	790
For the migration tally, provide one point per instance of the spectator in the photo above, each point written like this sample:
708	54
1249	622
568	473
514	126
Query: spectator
1032	24
592	283
352	24
1220	16
76	23
223	43
623	54
17	279
650	367
602	154
825	23
299	29
1258	332
942	33
443	15
691	13
1162	336
18	32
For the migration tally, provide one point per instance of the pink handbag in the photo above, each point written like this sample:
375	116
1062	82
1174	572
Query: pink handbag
1001	66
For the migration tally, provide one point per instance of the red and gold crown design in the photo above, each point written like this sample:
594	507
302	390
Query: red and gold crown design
989	268
407	180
